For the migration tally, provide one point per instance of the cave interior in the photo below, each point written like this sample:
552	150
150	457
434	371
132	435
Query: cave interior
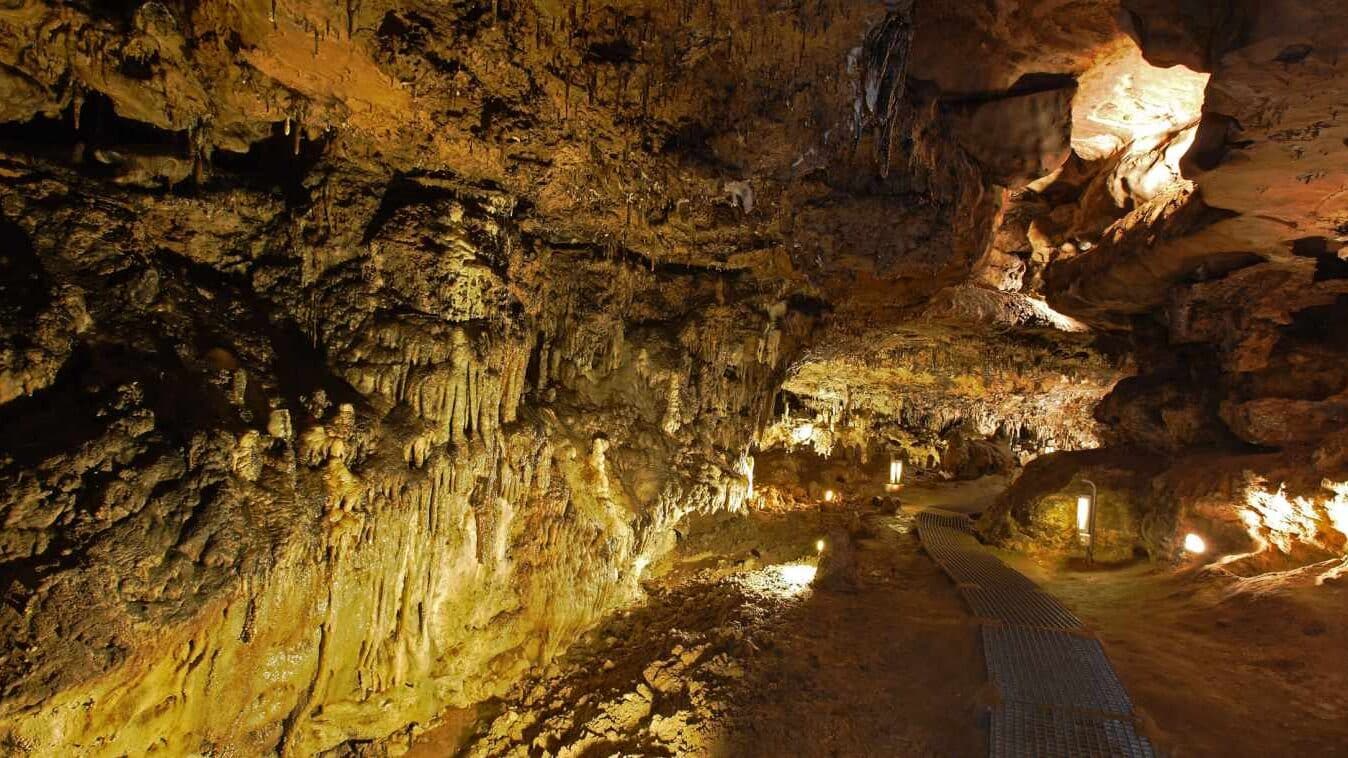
696	378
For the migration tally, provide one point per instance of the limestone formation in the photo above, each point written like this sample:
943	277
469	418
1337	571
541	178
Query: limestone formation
358	358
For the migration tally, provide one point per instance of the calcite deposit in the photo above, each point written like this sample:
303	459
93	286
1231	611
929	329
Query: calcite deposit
358	358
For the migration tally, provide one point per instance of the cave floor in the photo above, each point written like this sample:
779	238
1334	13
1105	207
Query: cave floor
1213	668
1216	670
729	658
731	654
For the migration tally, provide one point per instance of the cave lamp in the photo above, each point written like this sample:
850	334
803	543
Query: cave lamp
1084	516
895	475
1086	511
1195	544
829	496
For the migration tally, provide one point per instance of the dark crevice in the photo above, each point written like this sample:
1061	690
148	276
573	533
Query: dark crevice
1328	264
1321	325
99	126
1029	84
68	413
611	52
279	162
810	306
102	145
24	285
691	141
299	366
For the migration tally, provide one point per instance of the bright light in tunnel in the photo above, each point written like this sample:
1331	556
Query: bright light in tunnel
1195	544
895	471
798	575
802	434
829	495
1337	506
819	546
1124	105
1084	515
1272	517
1123	98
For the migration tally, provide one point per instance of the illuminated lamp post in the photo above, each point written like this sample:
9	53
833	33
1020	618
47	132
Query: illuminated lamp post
895	475
1086	521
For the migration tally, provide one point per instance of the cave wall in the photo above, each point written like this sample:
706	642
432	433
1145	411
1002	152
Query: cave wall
356	356
1228	286
331	493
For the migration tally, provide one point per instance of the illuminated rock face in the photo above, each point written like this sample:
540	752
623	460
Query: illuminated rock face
1199	215
355	357
328	528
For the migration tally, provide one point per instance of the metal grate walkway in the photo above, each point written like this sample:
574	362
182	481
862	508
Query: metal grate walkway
1024	731
1060	697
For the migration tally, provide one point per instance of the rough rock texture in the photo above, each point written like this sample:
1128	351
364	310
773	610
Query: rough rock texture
969	457
747	659
1227	279
334	507
355	357
358	356
993	362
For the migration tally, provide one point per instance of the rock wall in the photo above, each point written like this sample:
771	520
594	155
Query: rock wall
1229	286
285	482
356	355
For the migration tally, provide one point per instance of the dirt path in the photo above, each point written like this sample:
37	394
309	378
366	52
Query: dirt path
741	659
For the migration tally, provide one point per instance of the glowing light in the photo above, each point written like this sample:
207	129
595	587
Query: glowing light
829	495
798	575
819	546
1123	98
802	434
895	471
1145	115
1194	544
640	565
1060	321
1337	507
1277	522
1084	515
1274	518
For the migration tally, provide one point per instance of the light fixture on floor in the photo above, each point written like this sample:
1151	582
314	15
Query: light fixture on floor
895	475
1195	544
1086	521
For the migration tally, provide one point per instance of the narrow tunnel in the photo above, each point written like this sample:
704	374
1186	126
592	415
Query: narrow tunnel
710	378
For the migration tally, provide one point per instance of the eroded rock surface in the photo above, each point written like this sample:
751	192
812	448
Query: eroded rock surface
1226	282
357	357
